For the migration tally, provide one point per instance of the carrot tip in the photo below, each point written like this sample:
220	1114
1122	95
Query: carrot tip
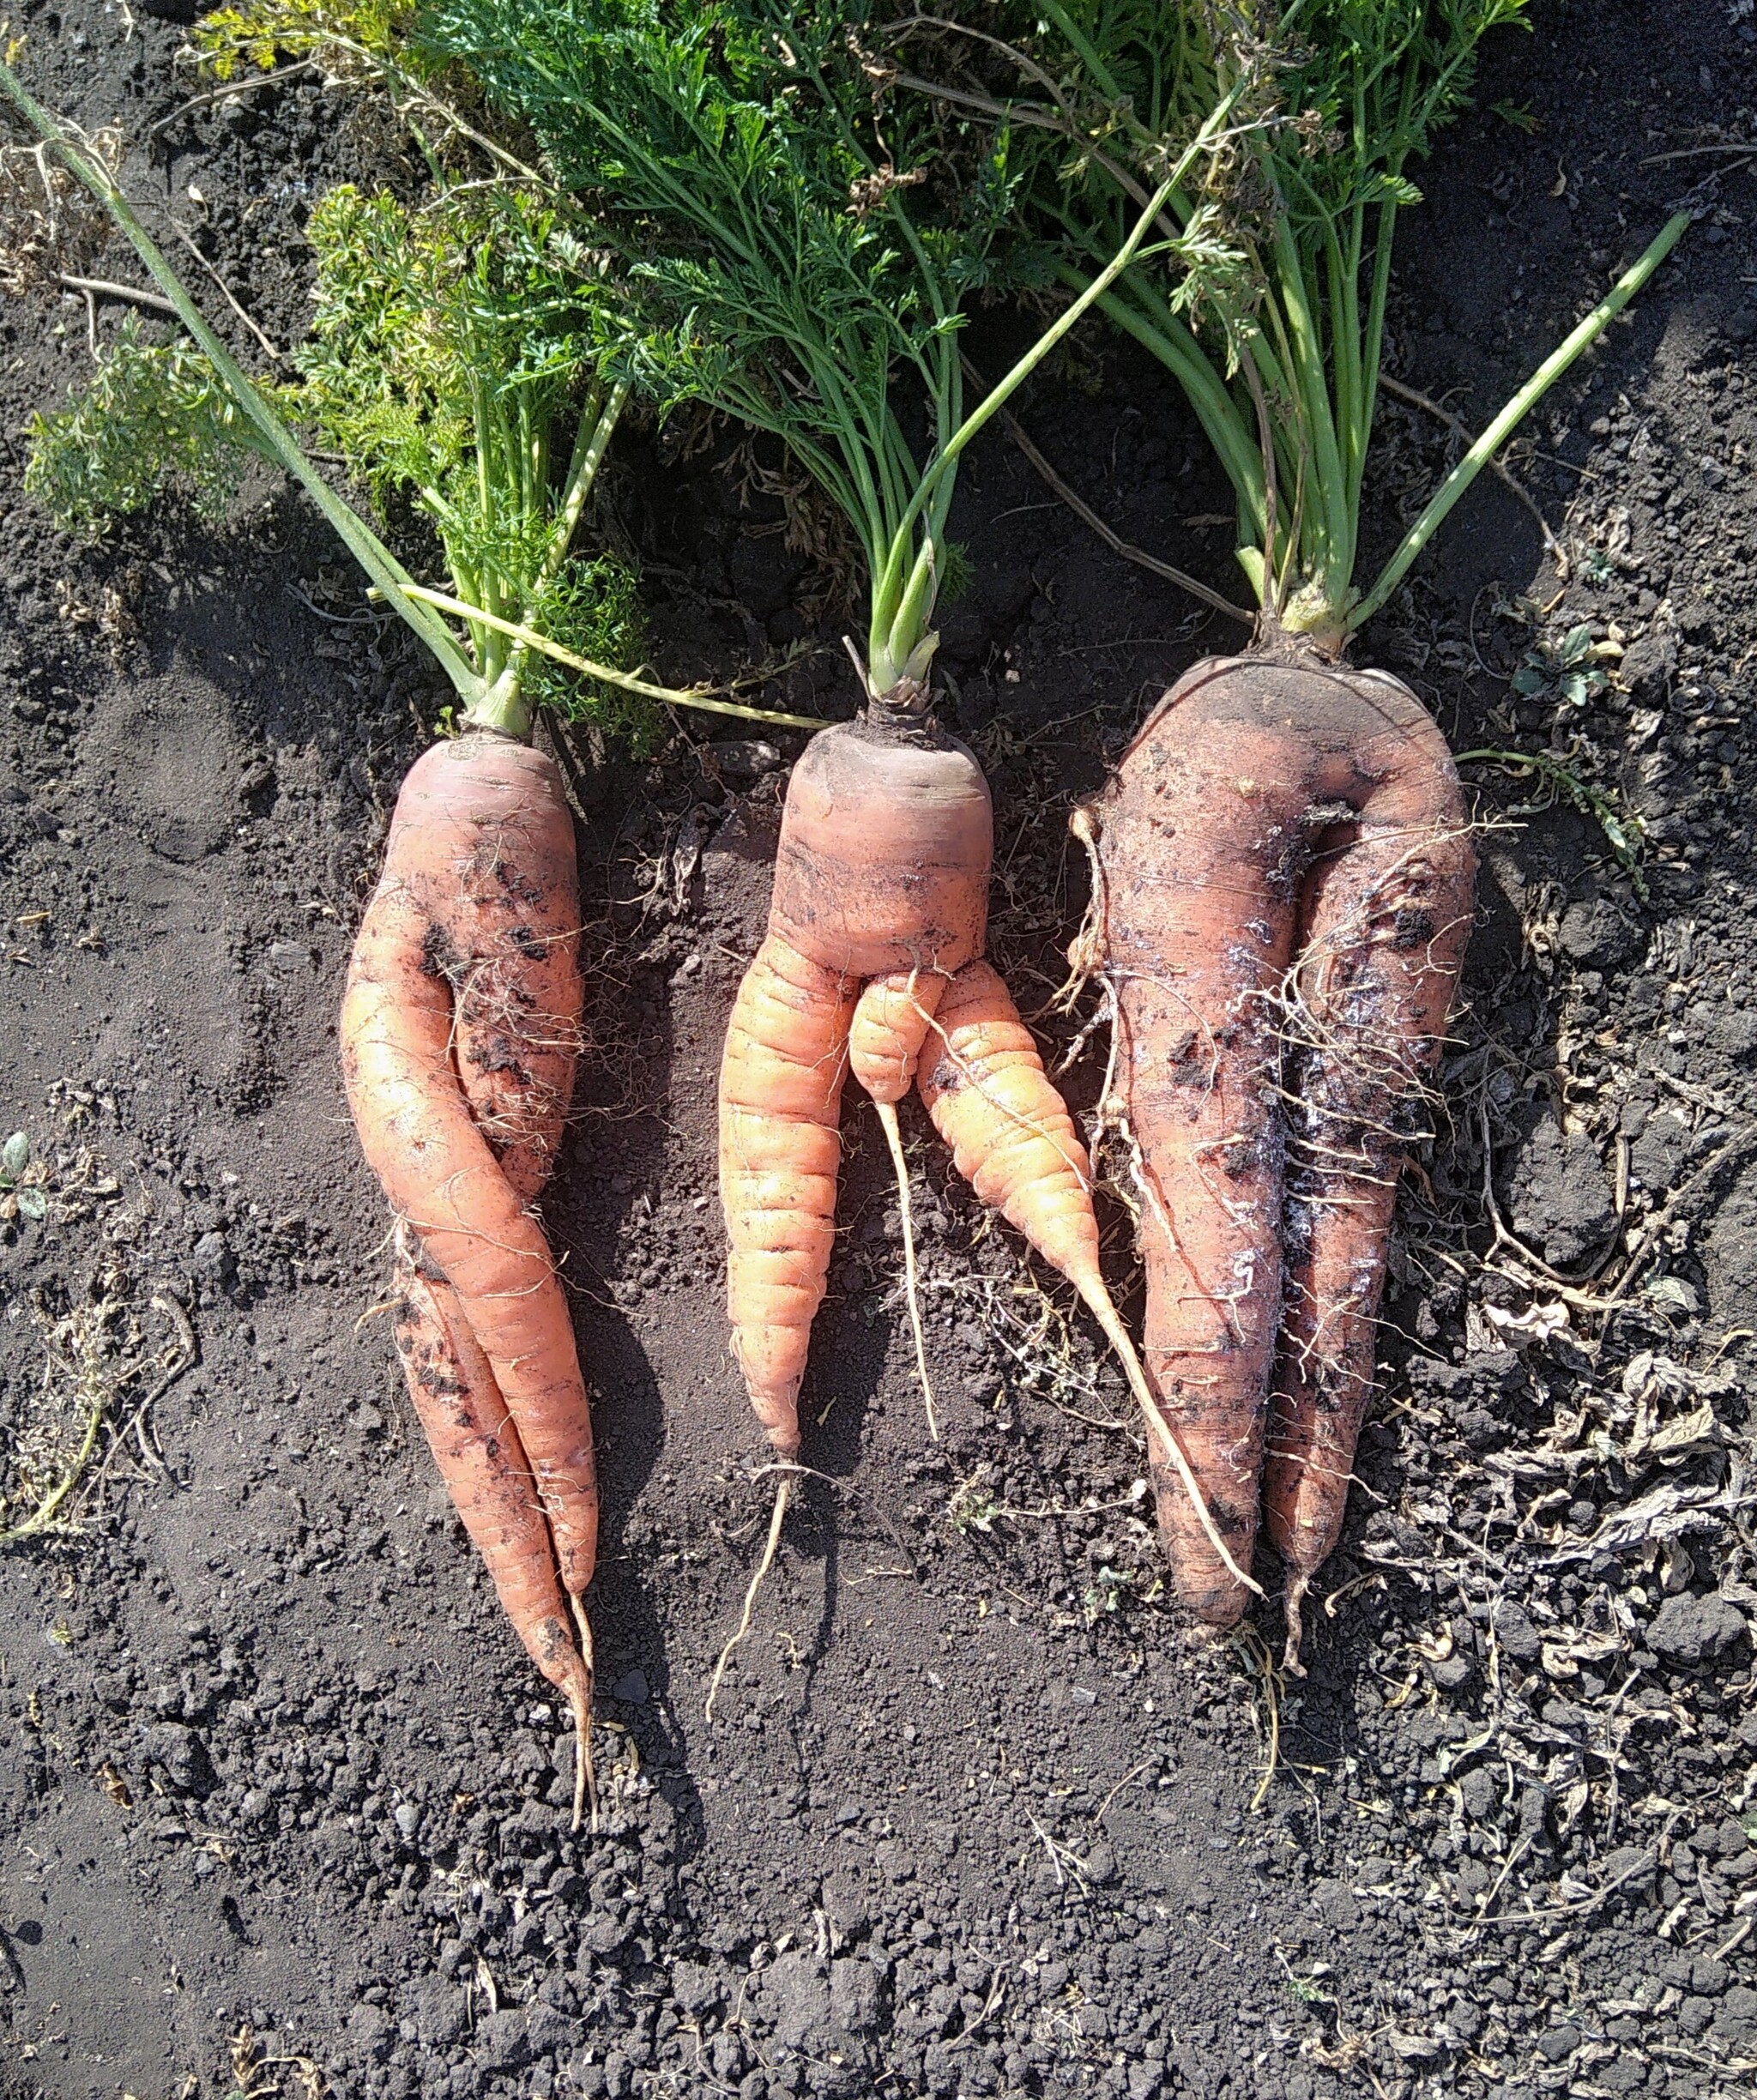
579	1697
783	1491
1292	1606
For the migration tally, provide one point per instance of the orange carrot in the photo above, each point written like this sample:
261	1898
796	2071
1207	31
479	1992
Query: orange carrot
1254	773
460	1032
881	880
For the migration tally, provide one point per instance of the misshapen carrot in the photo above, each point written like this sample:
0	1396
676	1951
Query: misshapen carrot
1251	774
460	1035
478	908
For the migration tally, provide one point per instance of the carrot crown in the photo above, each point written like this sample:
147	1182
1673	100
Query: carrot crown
1270	312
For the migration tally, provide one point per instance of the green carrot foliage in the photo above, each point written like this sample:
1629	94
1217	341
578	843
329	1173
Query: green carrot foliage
797	235
452	352
1272	324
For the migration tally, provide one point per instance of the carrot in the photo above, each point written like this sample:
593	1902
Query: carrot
466	974
1260	1101
477	1450
1270	809
881	881
460	1031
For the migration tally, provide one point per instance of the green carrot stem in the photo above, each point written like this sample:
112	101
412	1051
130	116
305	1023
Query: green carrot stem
1579	338
671	696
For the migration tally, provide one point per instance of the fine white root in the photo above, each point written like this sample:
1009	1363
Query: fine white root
1107	1318
784	1492
579	1697
893	1137
1293	1605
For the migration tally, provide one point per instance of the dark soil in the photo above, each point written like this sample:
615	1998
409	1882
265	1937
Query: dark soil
979	1815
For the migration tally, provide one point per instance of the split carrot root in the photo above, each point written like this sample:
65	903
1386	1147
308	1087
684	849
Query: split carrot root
1271	810
477	1450
1383	926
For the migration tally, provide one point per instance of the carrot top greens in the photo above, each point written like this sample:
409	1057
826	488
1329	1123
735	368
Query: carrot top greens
453	362
798	237
1274	328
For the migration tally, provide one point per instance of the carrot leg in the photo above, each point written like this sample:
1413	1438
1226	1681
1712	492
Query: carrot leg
1197	956
1385	918
781	1080
892	1020
477	1450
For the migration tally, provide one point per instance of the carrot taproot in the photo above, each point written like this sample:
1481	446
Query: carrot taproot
1258	782
460	1034
781	1078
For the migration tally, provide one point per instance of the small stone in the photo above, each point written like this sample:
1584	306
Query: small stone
742	759
408	1820
212	1260
845	1906
548	2030
178	1750
502	2042
854	1996
695	1988
1451	1673
371	2032
631	1688
1516	1634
